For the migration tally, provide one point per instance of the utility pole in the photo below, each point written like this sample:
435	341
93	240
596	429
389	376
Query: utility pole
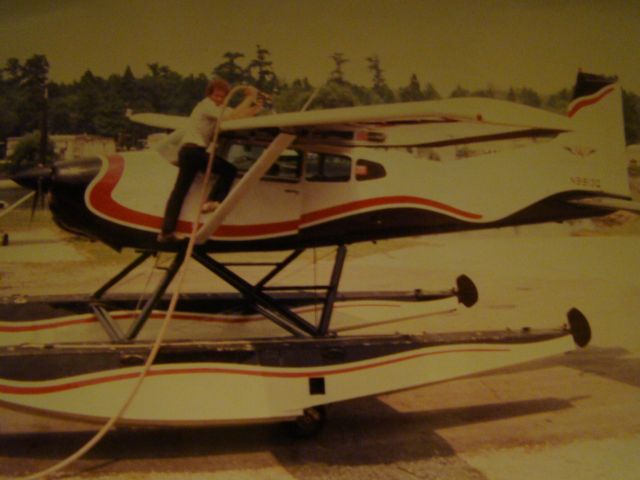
44	134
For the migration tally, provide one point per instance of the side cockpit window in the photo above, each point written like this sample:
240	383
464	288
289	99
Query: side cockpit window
244	155
326	167
368	170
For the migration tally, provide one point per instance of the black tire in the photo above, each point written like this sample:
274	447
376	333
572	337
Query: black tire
579	327
309	424
467	291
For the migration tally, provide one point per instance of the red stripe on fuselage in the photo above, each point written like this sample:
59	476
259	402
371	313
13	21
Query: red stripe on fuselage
101	199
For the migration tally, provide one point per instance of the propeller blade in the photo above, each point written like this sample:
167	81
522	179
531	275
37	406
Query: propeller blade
42	194
38	179
36	198
17	204
33	177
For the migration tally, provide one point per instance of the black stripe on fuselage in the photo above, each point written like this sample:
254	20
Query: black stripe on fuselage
404	222
71	213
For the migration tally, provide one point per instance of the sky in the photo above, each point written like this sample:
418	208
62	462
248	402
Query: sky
473	43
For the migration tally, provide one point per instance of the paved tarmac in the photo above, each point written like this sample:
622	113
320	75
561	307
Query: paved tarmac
571	416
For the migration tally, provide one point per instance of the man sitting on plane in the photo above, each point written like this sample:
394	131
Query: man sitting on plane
193	156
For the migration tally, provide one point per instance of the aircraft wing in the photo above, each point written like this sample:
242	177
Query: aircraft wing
488	111
411	123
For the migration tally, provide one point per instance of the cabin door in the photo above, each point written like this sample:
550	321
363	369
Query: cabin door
273	207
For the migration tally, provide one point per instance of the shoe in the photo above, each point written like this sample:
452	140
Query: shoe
167	237
209	207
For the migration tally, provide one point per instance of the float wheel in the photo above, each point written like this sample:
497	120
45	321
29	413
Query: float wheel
309	423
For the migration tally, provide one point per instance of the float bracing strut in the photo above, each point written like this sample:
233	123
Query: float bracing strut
265	304
157	295
125	271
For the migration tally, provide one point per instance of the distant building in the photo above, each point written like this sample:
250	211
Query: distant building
68	147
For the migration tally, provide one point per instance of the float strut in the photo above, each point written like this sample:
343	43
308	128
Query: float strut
265	304
125	271
279	267
157	295
332	291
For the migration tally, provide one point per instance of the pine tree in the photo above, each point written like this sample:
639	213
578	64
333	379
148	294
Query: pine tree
488	92
260	72
559	101
430	92
380	87
291	98
230	70
35	75
337	75
459	92
412	92
530	97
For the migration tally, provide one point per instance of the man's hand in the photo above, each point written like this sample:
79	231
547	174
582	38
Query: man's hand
252	104
258	105
251	92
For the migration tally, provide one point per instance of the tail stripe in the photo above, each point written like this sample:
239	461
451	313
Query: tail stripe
584	102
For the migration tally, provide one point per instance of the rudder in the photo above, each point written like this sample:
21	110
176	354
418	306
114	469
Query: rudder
597	115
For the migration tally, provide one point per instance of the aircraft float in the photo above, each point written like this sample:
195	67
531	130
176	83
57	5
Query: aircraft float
307	179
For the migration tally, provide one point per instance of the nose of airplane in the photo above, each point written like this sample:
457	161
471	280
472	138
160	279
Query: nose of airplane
34	178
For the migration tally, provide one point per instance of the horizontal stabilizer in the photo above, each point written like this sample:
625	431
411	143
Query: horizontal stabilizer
609	203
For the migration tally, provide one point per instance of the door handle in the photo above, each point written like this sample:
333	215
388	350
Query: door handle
288	190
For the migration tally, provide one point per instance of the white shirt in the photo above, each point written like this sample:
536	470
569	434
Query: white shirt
202	122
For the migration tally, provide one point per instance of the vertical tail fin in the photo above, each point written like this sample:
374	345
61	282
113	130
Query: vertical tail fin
596	112
596	106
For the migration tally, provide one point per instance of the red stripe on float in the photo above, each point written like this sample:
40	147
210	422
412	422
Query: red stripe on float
38	390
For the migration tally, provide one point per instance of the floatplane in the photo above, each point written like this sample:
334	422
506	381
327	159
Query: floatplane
308	179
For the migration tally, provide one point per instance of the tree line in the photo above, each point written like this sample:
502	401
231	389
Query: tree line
29	101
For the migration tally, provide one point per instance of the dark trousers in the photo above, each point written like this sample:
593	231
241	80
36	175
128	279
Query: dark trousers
193	159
